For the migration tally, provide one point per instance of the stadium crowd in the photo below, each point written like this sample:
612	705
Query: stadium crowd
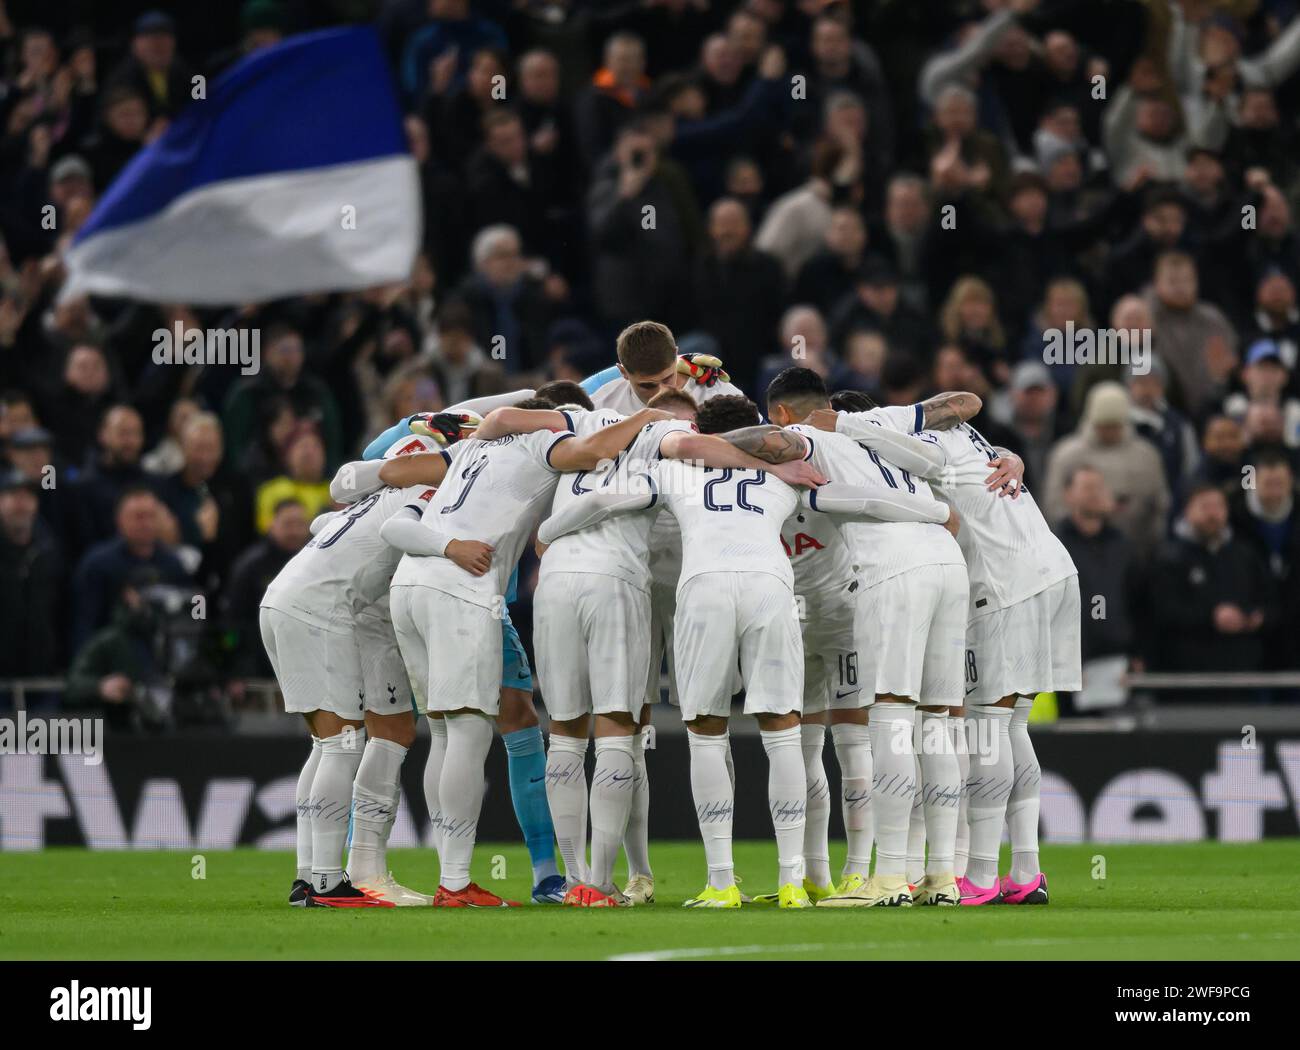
904	197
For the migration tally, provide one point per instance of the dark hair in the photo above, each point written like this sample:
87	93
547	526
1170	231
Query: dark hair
132	492
801	388
852	401
646	347
1200	488
537	403
456	316
564	392
1271	456
727	412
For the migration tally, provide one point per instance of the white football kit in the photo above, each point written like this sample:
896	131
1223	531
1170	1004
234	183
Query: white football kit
735	598
323	618
591	611
914	578
448	622
829	602
665	541
1023	632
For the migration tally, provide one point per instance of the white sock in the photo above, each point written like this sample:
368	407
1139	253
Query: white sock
957	734
1022	805
374	791
987	789
787	800
940	792
853	751
916	834
432	775
636	840
893	783
714	800
916	822
566	794
460	790
817	817
331	804
305	778
611	804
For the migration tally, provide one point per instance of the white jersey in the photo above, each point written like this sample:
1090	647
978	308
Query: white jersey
819	554
619	395
411	445
730	519
1011	554
346	566
620	545
881	549
494	492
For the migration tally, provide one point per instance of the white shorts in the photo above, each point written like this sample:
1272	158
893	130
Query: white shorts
663	607
723	617
838	668
383	671
592	641
1027	648
451	648
318	670
918	620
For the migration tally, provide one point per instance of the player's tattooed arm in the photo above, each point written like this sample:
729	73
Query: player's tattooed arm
945	411
422	468
769	443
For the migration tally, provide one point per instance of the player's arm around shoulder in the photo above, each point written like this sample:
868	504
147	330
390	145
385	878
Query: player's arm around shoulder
502	421
422	468
587	453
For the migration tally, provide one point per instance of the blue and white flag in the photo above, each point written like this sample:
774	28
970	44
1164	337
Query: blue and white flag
292	176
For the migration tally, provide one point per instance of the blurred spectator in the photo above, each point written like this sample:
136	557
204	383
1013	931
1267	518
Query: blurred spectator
875	305
31	580
1211	595
739	290
210	504
1105	439
115	469
1164	426
1192	337
798	222
828	275
512	307
166	456
440	52
1104	557
118	665
1264	516
1031	413
304	478
283	379
153	69
134	553
83	395
644	225
250	575
1267	382
609	102
803	338
1223	453
969	319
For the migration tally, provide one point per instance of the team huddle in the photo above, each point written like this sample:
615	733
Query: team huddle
878	570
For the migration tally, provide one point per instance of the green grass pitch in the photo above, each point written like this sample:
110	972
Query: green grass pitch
1205	901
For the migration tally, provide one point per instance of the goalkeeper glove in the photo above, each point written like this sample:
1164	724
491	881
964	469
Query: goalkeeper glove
446	428
705	369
